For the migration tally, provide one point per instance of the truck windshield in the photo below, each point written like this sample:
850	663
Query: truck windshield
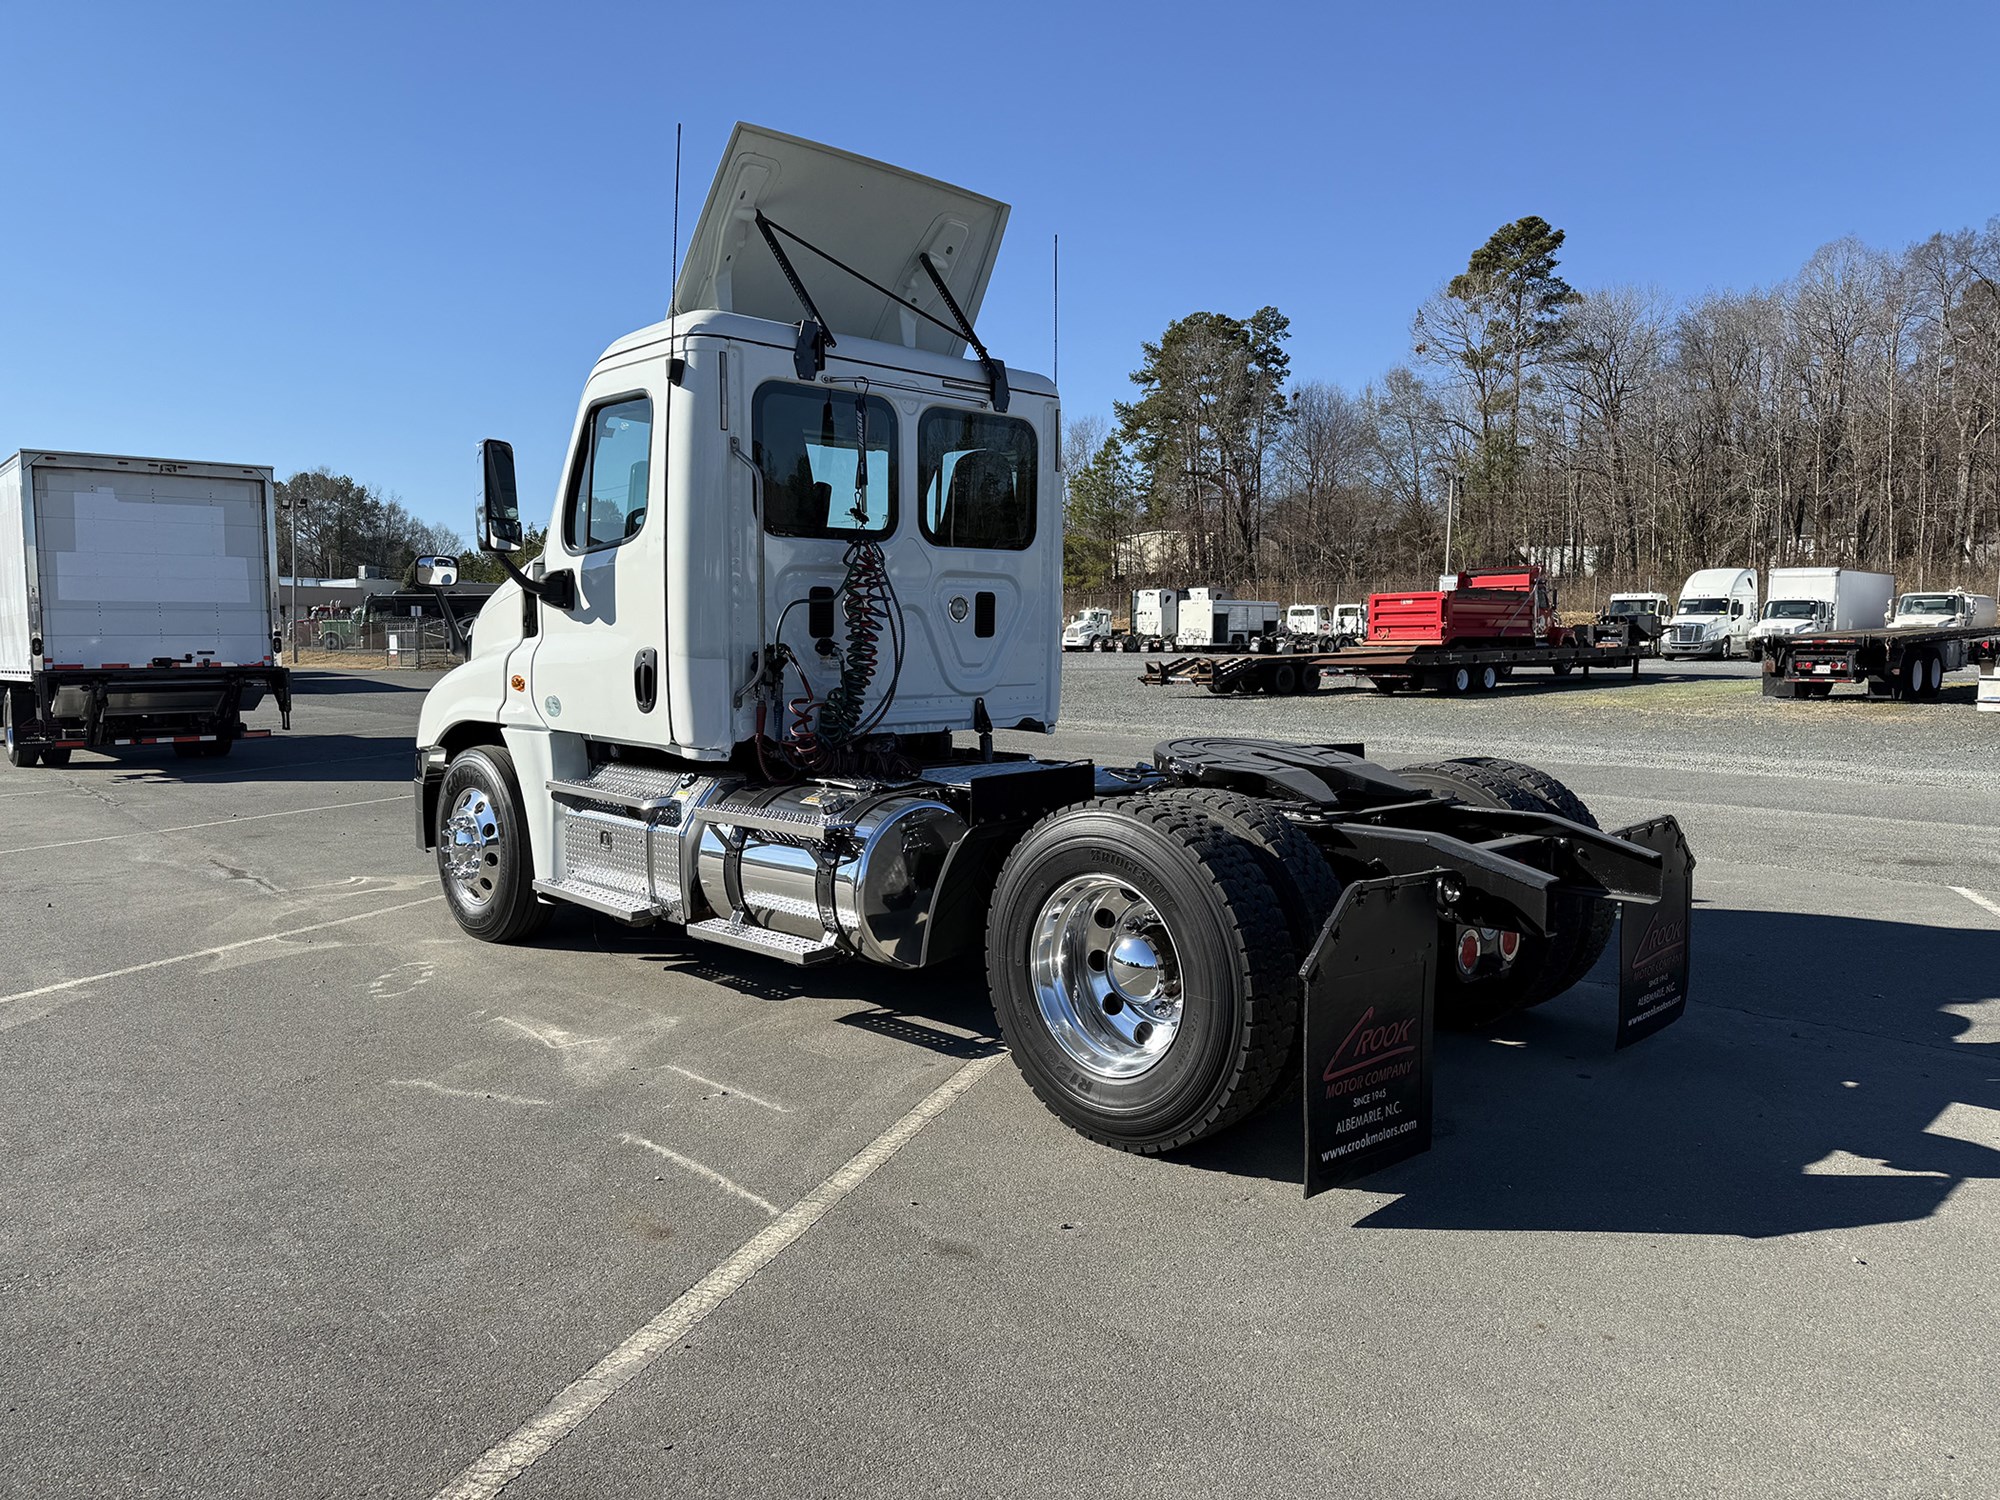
1704	606
807	444
1790	609
1631	607
1925	604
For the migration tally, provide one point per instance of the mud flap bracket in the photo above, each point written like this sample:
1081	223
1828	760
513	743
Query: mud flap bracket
1369	1010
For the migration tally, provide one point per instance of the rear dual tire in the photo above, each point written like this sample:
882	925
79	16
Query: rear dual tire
1547	964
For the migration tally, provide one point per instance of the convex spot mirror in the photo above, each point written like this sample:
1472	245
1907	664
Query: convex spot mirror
499	501
437	571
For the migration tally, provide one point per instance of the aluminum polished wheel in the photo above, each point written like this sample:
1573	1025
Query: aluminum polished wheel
1106	976
471	846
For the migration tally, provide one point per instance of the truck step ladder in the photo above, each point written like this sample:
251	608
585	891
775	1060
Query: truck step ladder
750	938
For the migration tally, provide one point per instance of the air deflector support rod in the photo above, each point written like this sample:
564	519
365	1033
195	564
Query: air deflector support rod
996	373
809	356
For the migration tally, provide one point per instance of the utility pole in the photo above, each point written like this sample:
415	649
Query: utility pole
292	624
1453	483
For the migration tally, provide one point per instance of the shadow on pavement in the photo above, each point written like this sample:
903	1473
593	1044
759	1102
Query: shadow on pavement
1796	1094
303	759
911	1006
319	682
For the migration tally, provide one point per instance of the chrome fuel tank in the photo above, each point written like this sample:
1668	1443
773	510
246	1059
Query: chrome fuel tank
868	862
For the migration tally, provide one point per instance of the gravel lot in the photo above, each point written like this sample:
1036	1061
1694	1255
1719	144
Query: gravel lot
307	1194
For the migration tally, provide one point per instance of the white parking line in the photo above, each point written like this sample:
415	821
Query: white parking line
700	1171
182	958
447	1089
110	838
1978	900
728	1088
508	1459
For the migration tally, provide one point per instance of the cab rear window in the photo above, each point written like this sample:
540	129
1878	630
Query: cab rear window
976	478
828	458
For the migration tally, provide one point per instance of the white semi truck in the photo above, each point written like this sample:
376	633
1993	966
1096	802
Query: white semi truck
1808	601
804	561
137	604
1717	608
1088	630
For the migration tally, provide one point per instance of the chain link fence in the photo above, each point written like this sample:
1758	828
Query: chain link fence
372	646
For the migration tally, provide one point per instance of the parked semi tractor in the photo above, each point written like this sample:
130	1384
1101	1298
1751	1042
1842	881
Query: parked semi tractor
136	604
1645	615
1952	609
1089	630
1807	601
1717	608
1321	627
804	561
1309	627
1156	618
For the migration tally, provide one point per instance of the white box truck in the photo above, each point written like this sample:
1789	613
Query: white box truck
1812	601
137	604
1717	608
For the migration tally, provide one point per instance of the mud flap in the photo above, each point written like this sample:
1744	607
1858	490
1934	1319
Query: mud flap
1653	937
1369	1004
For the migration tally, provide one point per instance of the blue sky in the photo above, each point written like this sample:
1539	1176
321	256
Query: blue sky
367	236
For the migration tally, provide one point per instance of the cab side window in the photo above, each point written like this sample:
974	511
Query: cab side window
607	491
976	472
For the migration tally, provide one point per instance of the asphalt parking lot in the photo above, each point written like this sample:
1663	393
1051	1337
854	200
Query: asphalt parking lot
307	1194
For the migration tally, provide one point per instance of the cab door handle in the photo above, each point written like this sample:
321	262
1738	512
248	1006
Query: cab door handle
646	679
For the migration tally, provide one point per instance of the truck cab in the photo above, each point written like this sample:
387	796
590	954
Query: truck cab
1951	609
1718	607
1088	630
1309	627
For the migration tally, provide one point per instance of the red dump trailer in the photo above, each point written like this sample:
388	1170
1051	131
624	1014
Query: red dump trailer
1513	605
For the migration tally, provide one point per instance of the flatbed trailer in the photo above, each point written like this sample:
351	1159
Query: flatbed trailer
1892	663
1397	668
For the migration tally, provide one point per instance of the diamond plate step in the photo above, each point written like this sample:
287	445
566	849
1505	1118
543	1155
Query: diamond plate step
640	788
782	945
626	906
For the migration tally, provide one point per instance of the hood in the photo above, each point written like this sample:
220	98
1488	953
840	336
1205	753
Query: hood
870	215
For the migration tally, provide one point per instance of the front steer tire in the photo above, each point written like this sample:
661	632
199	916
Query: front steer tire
484	861
1200	892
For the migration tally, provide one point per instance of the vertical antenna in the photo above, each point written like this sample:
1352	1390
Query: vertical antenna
674	271
1055	271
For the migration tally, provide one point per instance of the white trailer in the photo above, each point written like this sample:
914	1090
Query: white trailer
1813	601
1717	608
1213	621
799	548
137	603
